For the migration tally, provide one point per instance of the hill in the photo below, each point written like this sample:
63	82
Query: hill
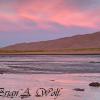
80	43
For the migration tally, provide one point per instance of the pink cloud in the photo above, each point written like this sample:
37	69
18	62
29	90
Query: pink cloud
42	12
54	11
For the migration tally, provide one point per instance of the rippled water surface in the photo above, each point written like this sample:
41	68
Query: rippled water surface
50	63
51	71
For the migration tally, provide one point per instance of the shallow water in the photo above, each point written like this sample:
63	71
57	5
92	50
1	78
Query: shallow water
50	64
67	82
66	72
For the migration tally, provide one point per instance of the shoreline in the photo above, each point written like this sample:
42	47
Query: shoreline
79	51
49	53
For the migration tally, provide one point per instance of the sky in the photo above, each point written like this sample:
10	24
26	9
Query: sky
40	20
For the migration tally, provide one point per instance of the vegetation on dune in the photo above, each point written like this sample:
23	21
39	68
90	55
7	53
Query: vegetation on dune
48	51
84	49
19	51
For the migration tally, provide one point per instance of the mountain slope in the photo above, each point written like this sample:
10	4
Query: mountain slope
74	42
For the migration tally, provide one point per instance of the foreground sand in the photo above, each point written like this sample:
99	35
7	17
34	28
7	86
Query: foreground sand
65	83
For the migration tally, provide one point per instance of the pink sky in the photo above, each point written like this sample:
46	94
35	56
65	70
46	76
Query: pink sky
50	16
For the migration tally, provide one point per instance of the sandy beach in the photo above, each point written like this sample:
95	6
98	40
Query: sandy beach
65	83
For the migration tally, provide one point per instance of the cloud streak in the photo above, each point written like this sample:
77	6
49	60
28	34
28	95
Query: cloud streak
64	12
48	16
